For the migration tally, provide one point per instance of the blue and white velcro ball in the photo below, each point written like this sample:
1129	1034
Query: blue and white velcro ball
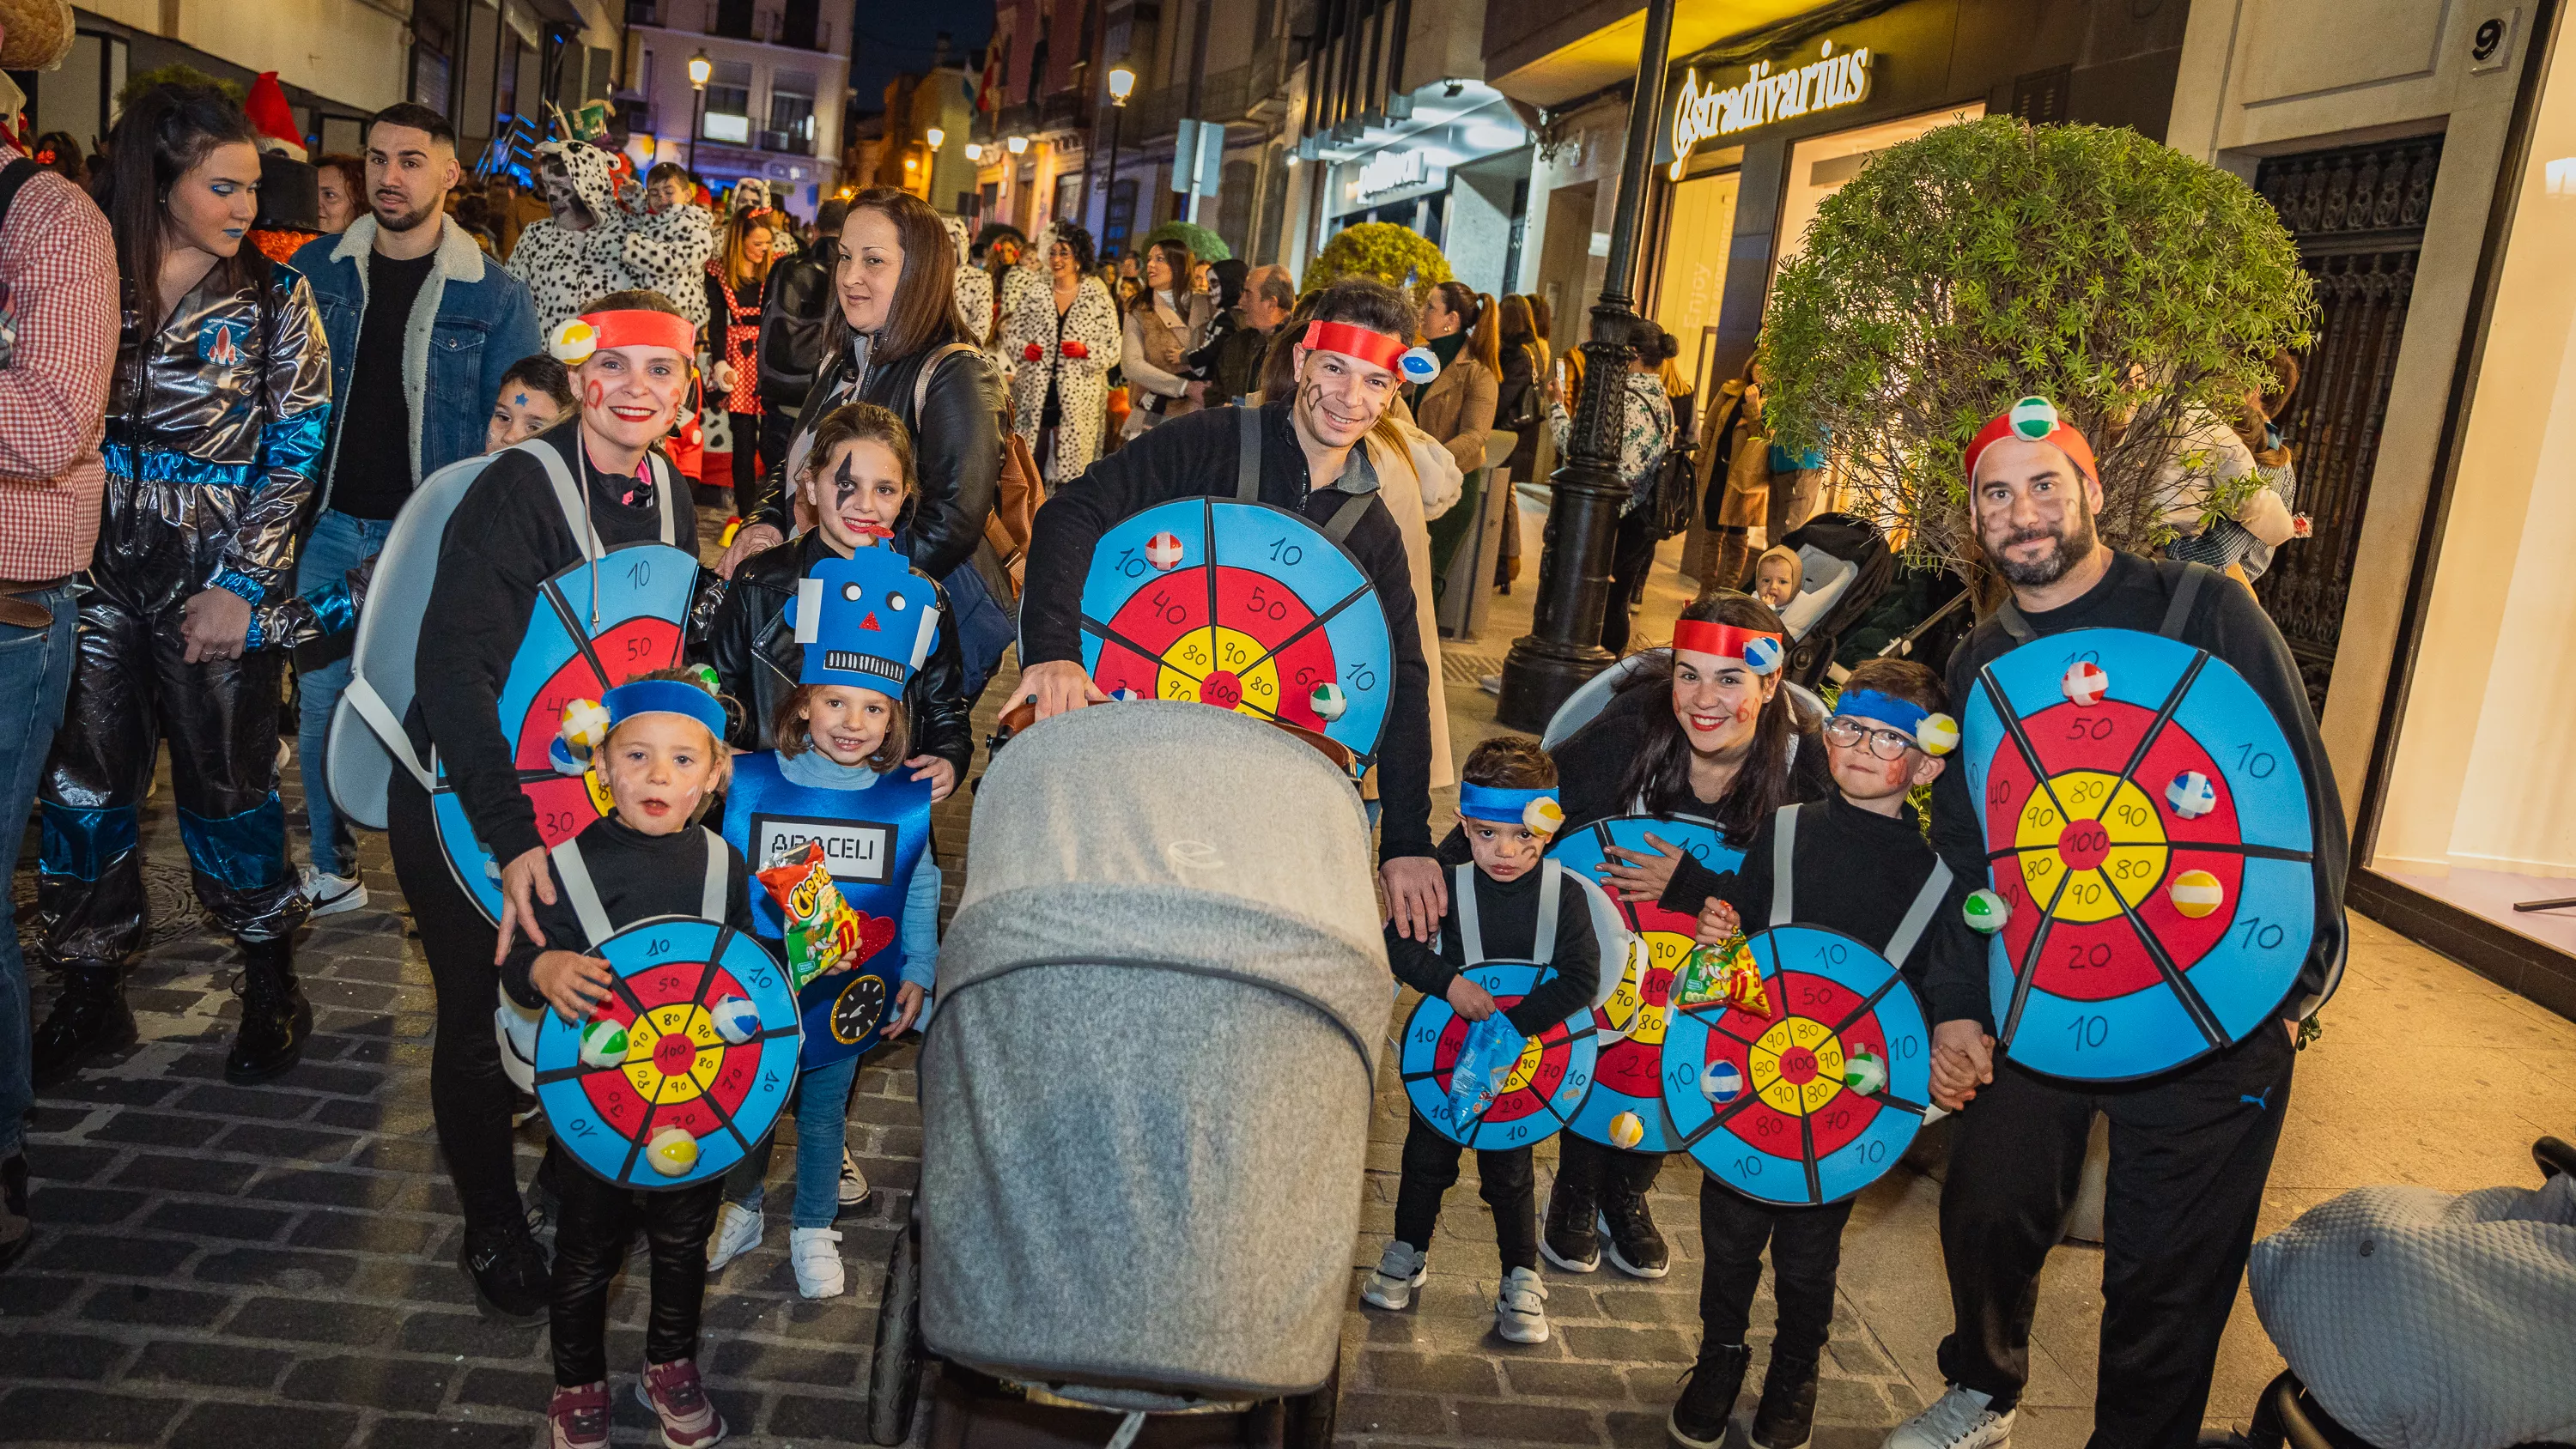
1419	366
736	1020
2191	795
1762	654
1721	1083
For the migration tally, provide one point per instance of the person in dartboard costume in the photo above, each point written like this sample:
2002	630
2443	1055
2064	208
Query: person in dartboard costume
2190	1147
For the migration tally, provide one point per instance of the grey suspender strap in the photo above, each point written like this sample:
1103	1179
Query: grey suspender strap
1551	891
2014	624
1347	517
1784	853
1247	463
1471	938
1918	916
576	508
662	491
580	893
711	899
2186	593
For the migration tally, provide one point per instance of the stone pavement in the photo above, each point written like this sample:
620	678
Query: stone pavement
275	1266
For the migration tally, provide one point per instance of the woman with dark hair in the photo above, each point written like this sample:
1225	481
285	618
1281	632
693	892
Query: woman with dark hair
1060	334
735	275
215	419
1225	365
343	179
1703	735
1457	407
1164	324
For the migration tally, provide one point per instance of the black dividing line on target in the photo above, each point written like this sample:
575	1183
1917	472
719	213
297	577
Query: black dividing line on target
1807	1157
2030	958
2020	739
2202	1018
580	639
1207	565
1311	625
1112	636
2156	726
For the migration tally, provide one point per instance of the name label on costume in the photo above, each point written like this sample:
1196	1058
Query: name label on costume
857	851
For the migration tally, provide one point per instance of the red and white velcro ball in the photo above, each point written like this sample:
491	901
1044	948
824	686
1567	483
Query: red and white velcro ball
2085	683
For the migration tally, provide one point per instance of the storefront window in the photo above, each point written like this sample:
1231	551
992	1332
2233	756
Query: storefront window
1693	283
1818	168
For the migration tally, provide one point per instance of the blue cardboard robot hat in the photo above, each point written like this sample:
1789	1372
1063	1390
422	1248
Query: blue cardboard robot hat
866	622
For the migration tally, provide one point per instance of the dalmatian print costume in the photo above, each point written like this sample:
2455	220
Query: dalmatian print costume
974	288
666	251
1082	383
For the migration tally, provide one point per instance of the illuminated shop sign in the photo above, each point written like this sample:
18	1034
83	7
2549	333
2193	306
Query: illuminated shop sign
1764	96
1390	171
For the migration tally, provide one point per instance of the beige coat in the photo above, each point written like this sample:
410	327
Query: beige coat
1457	410
1402	485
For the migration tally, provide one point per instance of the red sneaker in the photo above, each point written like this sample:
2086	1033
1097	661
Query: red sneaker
579	1417
673	1393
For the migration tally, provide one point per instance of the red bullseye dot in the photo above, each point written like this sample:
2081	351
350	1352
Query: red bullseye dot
2083	844
1798	1066
673	1055
1221	689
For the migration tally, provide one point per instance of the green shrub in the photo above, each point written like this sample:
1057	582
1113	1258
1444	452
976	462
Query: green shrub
1204	245
173	74
1990	260
1395	255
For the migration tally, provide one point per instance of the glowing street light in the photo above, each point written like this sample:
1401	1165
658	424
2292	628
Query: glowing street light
700	68
1018	145
1122	83
935	137
974	151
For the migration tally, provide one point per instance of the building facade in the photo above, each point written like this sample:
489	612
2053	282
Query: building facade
771	109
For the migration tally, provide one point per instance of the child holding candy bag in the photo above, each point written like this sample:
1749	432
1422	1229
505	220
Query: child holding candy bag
838	824
663	759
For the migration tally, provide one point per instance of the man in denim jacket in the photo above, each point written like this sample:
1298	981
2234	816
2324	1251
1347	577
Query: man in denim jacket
422	326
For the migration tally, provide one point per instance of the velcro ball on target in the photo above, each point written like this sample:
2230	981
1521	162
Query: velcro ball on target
2084	683
1537	1095
680	1102
2148	921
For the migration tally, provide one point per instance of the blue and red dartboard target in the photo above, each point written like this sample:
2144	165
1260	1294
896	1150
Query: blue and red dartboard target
1242	606
1761	1100
2148	831
1630	1026
1545	1087
643	598
680	986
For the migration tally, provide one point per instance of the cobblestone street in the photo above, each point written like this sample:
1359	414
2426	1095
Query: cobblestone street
276	1266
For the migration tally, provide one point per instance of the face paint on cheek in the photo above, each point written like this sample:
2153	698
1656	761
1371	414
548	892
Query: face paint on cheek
1895	773
594	393
845	486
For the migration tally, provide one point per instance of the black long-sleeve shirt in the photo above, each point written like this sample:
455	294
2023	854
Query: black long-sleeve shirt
1856	872
638	877
1507	922
1195	456
506	538
2224	620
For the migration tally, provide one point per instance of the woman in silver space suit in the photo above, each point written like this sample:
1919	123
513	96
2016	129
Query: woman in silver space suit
215	423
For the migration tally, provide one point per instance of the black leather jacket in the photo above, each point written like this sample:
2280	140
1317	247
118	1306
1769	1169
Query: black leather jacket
956	448
792	324
757	658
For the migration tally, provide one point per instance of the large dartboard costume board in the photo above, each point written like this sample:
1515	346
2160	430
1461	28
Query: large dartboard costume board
1554	1072
1631	1025
1243	606
2148	831
675	974
617	614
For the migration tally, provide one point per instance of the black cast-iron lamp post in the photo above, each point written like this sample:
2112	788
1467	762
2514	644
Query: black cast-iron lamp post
1122	83
700	68
1563	647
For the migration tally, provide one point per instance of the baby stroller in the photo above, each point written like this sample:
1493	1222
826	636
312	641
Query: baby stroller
1145	1095
1847	567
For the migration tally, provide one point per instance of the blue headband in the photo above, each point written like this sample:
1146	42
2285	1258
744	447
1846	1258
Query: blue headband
664	696
1509	807
1887	708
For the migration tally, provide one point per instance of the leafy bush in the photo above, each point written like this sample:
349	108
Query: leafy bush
1204	245
1395	255
173	74
1991	260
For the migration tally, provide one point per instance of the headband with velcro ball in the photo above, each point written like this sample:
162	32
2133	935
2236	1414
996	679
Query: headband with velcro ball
1379	349
1933	732
866	621
574	339
1537	809
1760	650
663	696
2032	420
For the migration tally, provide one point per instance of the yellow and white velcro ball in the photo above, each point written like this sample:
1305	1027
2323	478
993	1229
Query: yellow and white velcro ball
1626	1131
672	1151
585	726
1937	735
1543	816
2196	893
572	342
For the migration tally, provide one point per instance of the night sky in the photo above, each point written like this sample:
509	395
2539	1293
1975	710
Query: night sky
891	39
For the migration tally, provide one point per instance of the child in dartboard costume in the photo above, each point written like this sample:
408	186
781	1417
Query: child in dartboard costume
1511	904
839	776
664	761
1857	864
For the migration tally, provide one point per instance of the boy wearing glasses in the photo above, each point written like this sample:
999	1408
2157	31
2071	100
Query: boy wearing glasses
1860	862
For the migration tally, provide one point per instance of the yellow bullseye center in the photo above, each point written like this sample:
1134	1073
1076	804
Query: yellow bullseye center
1797	1065
646	1046
2106	848
1630	1013
1221	672
1525	1068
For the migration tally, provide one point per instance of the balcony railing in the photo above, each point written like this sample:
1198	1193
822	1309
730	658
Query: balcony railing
787	143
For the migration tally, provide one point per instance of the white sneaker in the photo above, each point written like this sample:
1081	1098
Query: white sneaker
1399	1271
1491	684
332	894
818	1262
1520	1310
854	1183
1958	1419
737	1232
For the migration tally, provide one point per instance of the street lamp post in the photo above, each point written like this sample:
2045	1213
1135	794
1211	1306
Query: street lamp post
930	175
1563	647
1122	83
699	69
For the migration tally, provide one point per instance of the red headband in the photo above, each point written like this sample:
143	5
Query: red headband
2024	421
1725	641
641	328
1365	343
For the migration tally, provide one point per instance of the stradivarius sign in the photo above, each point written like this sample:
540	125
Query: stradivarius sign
1834	79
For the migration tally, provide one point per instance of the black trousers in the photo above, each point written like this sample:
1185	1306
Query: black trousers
777	430
469	1095
1806	1249
1595	1171
748	456
1632	557
598	1219
1503	1179
2189	1154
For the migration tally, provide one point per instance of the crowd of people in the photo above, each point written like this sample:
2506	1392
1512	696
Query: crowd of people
204	450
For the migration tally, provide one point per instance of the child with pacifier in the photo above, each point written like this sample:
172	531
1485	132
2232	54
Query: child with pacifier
664	761
858	484
1859	865
1507	810
838	780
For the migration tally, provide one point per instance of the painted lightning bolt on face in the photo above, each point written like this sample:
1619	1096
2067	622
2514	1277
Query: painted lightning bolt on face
857	493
